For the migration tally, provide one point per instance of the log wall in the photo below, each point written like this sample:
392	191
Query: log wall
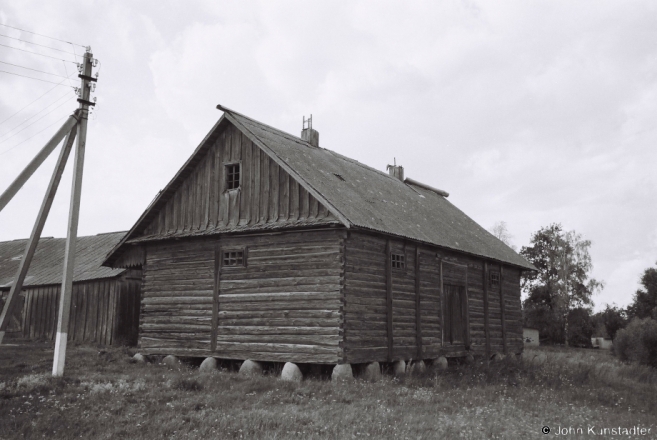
283	305
267	193
366	308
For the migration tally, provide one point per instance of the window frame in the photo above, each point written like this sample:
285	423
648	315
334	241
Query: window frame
494	279
235	250
401	261
226	175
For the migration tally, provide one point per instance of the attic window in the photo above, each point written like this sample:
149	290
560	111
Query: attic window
232	176
339	176
494	279
398	261
233	258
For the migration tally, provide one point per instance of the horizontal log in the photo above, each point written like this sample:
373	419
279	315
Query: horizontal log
268	330
314	340
278	296
271	347
177	300
280	305
235	314
282	322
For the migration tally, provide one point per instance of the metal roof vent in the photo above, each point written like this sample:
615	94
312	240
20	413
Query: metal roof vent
308	134
396	170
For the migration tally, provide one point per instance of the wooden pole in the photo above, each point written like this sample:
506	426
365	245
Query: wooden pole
32	243
41	156
74	211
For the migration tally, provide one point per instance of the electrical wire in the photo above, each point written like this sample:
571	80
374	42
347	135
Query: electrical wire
38	79
36	134
37	53
28	126
34	115
36	70
41	35
37	44
41	96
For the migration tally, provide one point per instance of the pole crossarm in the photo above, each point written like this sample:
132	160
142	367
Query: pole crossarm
32	243
41	156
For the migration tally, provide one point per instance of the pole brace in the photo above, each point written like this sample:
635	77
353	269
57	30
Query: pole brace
87	77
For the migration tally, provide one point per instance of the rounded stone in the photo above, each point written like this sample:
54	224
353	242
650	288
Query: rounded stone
208	365
291	372
440	363
469	359
372	372
140	358
399	368
416	367
171	361
539	359
251	368
342	372
497	357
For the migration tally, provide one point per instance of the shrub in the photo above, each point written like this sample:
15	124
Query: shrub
187	385
638	342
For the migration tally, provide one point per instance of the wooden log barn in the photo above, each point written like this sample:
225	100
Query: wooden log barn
104	302
266	247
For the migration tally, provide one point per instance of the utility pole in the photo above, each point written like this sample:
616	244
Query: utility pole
74	211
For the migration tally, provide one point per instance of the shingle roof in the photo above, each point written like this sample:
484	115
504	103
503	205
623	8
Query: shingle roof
358	195
47	264
372	199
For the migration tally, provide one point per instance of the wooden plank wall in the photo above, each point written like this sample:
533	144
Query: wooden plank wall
430	304
285	304
176	306
403	304
267	194
95	309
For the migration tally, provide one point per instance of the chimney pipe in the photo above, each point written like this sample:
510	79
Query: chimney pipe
309	134
396	171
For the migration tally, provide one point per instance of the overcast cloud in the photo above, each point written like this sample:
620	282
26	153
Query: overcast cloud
526	112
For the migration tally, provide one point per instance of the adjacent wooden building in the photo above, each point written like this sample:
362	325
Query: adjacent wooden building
104	303
265	246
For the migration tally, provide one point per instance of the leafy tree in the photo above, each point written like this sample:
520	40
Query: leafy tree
562	282
501	231
580	328
613	318
645	300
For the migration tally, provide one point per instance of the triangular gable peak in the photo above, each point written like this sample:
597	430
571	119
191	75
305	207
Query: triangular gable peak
198	201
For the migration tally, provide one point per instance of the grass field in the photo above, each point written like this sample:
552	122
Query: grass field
105	395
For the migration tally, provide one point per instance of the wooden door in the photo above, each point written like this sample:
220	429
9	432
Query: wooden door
455	315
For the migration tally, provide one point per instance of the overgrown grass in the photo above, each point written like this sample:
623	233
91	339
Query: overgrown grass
105	395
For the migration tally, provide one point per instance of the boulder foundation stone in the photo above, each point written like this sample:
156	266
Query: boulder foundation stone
399	368
291	372
140	358
342	372
440	363
469	359
497	357
251	368
208	365
372	372
171	361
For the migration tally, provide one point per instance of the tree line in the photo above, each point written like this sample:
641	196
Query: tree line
558	296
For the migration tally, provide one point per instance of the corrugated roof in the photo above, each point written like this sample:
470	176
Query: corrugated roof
47	264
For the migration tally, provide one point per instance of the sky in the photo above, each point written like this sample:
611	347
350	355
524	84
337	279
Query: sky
529	113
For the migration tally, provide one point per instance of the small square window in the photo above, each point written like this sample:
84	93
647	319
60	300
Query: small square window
494	279
232	176
233	258
398	261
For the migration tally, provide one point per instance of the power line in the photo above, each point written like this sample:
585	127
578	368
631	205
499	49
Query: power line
37	44
38	79
36	134
34	115
41	35
36	70
37	53
28	126
41	96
